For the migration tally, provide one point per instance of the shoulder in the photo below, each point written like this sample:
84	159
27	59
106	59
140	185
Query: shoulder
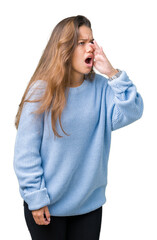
37	88
38	84
100	80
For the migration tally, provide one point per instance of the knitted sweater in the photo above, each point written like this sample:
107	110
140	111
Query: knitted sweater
69	174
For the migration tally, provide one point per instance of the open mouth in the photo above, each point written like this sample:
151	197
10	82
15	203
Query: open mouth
89	61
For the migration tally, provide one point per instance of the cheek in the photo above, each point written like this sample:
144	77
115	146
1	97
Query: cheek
76	59
78	53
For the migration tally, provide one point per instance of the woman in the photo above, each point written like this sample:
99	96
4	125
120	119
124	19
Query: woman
64	123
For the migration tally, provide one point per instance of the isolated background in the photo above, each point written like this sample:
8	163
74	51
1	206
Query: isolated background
127	32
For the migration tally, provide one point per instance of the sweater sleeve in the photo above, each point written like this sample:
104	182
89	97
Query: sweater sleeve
126	104
27	159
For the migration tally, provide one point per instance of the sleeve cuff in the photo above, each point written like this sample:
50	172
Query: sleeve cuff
37	199
121	83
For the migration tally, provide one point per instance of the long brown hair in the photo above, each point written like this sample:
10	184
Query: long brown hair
54	67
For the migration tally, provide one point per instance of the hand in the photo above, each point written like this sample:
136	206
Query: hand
101	62
39	218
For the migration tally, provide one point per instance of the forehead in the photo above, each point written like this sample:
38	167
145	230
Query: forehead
85	33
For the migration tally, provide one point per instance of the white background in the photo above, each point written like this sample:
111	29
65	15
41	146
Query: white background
127	32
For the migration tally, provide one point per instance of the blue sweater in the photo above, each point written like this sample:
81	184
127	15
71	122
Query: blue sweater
69	174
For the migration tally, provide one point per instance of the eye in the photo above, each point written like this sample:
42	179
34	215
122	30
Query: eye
81	43
92	42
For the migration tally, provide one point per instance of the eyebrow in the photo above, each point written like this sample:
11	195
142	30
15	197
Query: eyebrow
86	39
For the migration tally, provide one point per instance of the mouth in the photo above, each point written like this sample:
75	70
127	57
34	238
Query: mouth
89	61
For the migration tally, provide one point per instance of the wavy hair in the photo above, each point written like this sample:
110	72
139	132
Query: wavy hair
54	67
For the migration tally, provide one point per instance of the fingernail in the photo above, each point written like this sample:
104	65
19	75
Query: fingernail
49	219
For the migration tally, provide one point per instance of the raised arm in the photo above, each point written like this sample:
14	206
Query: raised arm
124	102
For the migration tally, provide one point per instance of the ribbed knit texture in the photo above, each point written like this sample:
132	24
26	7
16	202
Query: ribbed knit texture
69	174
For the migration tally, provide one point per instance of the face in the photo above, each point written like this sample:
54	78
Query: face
82	59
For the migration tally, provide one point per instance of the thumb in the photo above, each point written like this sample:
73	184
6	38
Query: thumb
102	51
47	214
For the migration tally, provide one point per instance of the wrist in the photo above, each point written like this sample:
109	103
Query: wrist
112	73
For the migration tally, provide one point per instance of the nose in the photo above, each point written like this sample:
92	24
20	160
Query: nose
89	47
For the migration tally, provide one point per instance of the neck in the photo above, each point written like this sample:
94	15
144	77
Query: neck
76	79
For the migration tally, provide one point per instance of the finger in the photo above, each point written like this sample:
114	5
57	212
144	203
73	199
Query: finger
96	45
35	217
96	52
93	46
47	214
44	220
102	51
39	218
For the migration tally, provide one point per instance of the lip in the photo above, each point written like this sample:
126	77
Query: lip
90	64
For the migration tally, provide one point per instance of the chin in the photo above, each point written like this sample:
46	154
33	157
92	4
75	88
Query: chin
88	71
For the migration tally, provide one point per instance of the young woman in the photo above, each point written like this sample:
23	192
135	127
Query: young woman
64	123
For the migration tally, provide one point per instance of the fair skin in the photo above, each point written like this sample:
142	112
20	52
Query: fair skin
87	47
39	218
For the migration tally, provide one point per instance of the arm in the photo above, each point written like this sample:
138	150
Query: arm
125	103
27	159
